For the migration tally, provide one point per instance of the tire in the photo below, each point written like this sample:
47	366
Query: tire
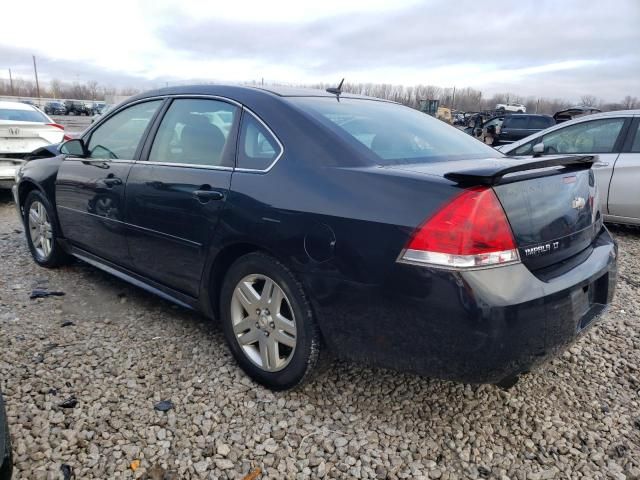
42	231
6	458
294	324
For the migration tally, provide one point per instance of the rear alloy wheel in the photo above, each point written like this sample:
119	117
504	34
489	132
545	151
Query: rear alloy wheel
41	231
268	322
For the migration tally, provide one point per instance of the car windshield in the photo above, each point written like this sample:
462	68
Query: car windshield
20	115
393	133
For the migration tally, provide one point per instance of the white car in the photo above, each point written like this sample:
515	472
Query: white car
23	128
512	107
614	138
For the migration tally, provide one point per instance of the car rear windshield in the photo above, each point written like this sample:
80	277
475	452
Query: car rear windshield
393	133
22	115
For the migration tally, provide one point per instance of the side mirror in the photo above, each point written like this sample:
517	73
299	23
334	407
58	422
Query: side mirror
74	147
538	149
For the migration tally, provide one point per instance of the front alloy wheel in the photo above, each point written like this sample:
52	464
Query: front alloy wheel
40	230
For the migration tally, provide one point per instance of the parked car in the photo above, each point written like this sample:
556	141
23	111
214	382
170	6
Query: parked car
314	222
516	127
76	107
614	138
23	128
103	111
6	460
511	107
55	108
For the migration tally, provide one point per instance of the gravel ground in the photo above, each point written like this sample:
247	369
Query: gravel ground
126	350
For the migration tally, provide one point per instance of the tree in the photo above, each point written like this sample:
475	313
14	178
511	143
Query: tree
589	100
629	102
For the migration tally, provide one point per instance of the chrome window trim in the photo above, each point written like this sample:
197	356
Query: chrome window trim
190	165
126	104
266	127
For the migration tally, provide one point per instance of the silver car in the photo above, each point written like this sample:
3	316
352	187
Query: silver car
615	138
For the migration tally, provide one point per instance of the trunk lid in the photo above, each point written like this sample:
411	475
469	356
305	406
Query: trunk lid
551	203
553	217
24	137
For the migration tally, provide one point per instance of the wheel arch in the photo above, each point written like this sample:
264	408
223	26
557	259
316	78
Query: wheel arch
217	268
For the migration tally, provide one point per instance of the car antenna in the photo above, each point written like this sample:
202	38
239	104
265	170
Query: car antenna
336	90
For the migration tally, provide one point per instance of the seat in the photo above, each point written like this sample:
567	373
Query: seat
202	142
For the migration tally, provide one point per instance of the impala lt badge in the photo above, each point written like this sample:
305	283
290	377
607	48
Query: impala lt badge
541	249
578	203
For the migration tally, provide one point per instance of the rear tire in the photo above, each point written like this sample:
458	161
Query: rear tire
268	322
41	230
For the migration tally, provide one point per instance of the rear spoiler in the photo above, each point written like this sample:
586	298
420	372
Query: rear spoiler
492	174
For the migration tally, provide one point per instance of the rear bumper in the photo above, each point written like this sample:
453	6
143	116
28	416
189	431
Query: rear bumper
475	327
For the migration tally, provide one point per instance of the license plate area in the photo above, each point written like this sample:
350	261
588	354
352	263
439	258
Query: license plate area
590	300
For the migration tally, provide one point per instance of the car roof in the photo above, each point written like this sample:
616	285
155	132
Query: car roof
15	105
239	92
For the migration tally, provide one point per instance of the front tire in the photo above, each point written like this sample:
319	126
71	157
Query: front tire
42	232
268	322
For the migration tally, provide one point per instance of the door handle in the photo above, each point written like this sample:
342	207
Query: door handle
112	181
600	164
204	196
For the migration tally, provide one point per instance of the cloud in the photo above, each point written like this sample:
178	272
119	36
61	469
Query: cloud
538	48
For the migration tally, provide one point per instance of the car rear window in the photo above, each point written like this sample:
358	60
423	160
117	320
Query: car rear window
22	115
393	133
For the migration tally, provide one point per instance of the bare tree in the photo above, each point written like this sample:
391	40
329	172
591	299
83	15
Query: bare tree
629	102
589	100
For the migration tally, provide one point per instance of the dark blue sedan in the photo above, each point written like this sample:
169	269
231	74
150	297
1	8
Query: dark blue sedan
312	222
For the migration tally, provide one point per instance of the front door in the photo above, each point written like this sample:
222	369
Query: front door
176	194
90	190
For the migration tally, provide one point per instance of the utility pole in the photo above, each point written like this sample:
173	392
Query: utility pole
453	98
11	82
35	69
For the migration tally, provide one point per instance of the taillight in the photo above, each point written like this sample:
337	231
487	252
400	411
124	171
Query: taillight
57	125
471	231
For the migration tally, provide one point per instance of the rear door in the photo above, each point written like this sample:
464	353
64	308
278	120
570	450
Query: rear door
624	191
90	191
176	193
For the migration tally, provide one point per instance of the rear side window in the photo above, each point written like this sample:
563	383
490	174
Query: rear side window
195	132
394	134
258	148
22	115
515	122
596	136
539	123
119	136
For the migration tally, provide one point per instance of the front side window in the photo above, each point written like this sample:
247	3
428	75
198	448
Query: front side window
258	148
596	136
516	122
119	136
539	123
196	132
393	133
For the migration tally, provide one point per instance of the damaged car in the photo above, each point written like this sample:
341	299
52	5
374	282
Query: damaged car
23	129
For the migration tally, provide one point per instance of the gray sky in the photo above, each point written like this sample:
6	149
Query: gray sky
544	48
